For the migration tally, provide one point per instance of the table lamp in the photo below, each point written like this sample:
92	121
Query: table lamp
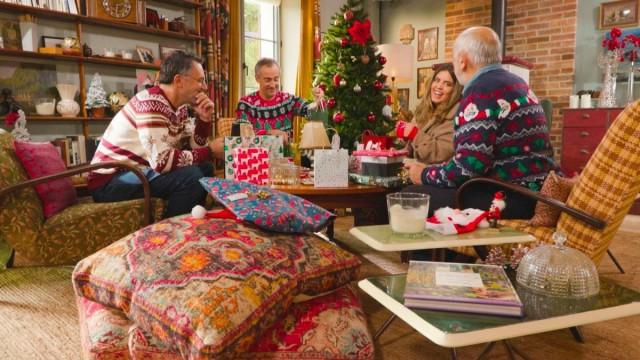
314	136
399	67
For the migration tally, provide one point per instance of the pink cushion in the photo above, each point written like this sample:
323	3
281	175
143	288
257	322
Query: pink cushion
41	159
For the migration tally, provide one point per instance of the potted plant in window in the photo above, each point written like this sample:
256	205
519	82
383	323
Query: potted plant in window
96	97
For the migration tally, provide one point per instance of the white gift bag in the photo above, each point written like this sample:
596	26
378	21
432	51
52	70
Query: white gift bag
331	167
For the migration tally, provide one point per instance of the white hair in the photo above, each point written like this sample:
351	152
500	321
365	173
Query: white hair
481	50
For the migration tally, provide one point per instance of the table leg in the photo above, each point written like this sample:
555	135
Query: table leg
452	354
384	326
512	350
577	334
330	229
486	350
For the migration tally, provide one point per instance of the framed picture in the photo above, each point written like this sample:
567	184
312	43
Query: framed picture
403	99
428	44
424	74
52	41
166	50
10	33
145	54
618	13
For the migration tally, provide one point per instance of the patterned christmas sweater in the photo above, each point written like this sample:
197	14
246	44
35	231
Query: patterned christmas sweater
500	132
149	133
276	113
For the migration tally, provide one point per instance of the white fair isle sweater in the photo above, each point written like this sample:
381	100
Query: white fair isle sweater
148	132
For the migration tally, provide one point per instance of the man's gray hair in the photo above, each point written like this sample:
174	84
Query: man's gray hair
264	62
482	50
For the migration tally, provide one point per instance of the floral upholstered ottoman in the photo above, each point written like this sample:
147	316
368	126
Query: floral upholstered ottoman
331	326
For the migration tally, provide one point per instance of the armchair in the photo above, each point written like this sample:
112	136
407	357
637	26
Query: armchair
602	197
74	233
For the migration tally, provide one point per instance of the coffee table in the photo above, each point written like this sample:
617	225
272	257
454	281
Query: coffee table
542	314
381	238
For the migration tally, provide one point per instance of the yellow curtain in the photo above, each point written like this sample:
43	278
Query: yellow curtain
310	23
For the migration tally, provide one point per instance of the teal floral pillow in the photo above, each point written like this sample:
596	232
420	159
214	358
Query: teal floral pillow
267	208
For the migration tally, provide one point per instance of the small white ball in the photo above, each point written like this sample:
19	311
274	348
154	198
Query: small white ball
198	212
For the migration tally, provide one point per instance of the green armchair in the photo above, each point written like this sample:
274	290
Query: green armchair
73	233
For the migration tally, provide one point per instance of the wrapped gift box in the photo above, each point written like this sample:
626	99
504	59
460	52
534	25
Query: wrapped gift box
251	165
331	168
383	163
270	142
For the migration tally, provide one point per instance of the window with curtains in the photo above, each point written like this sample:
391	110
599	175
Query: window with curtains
261	37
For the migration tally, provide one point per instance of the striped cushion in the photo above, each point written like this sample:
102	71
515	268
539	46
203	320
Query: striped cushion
608	186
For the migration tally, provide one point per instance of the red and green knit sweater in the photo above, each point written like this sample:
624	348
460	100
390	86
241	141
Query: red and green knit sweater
500	132
276	113
148	132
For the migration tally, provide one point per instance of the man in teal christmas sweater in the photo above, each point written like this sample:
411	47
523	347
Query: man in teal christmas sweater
269	110
500	131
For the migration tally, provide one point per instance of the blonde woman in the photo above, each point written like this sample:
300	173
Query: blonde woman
434	116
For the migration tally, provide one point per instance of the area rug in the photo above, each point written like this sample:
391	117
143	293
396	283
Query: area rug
38	319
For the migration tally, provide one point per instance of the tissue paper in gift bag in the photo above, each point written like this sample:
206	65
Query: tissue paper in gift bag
271	142
331	168
251	165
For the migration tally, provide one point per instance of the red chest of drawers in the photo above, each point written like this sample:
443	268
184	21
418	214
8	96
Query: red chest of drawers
582	130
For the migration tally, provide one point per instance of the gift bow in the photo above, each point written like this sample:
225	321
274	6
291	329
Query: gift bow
406	131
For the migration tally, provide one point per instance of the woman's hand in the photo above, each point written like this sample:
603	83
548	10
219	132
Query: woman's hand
415	169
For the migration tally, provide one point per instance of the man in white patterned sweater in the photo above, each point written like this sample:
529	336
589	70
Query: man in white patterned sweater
149	132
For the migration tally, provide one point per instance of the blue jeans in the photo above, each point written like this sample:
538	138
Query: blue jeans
179	187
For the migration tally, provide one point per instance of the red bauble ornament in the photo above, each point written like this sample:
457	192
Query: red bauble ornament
382	60
344	42
331	103
371	117
348	15
336	80
388	100
377	85
323	87
338	117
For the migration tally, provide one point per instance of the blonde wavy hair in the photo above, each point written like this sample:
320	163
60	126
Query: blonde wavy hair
427	111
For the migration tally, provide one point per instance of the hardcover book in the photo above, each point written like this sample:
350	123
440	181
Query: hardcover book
473	288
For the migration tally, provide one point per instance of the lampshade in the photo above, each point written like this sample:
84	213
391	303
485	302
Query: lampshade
314	136
399	62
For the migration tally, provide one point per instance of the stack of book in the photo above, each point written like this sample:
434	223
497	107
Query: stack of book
473	288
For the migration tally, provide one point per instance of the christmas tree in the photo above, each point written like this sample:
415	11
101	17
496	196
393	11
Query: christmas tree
349	73
96	96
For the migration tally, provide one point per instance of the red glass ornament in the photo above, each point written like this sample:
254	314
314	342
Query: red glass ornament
382	60
331	103
388	100
371	117
348	15
344	42
377	85
338	117
336	80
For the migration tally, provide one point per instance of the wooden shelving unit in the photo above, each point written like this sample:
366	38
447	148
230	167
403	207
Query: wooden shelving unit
80	20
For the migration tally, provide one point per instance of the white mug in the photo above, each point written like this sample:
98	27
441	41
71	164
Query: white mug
585	101
574	101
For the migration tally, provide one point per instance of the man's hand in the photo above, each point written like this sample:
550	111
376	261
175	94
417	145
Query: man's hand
318	95
203	106
216	146
415	169
284	134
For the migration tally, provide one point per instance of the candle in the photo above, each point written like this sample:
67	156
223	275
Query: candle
407	220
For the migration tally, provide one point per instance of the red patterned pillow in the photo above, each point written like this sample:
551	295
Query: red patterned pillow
210	286
555	187
41	159
329	327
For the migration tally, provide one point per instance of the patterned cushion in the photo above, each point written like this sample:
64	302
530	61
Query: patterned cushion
555	187
210	286
278	211
41	159
329	327
104	332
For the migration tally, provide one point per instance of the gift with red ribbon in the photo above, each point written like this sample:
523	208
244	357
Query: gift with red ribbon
406	131
383	141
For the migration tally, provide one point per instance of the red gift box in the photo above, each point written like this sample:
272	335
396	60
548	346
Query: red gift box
251	165
383	141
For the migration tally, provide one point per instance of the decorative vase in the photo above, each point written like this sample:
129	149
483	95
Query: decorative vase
67	106
609	62
630	82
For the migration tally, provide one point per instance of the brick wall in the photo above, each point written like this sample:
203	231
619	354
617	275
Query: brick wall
542	32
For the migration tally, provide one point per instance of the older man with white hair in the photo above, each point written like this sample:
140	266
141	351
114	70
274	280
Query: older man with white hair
500	132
